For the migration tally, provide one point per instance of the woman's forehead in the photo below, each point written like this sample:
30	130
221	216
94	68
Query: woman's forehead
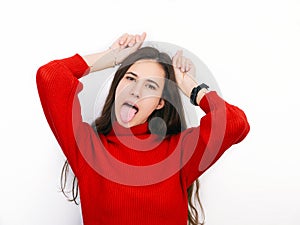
147	68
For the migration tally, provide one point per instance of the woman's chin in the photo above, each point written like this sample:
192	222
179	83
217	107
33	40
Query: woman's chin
126	124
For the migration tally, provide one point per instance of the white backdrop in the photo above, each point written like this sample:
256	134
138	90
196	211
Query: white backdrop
251	47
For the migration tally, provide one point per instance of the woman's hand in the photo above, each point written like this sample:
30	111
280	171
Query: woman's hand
118	51
185	72
125	45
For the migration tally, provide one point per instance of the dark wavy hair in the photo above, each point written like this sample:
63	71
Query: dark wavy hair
172	113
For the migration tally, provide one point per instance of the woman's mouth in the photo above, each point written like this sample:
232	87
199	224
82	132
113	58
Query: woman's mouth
128	111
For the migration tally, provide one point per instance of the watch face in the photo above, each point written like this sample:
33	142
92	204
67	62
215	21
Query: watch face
203	86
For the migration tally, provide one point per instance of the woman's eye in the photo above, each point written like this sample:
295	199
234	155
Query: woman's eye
150	86
130	78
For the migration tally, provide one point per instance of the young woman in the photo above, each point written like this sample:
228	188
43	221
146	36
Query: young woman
138	163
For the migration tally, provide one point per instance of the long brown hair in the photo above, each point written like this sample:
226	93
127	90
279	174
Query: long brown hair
172	114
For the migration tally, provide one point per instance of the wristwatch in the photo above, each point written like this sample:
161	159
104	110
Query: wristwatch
194	93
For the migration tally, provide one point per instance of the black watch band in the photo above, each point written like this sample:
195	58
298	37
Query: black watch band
194	93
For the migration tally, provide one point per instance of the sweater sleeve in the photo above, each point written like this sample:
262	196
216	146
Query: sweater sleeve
58	87
222	126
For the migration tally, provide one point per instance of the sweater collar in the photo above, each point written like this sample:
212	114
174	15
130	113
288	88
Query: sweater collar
119	130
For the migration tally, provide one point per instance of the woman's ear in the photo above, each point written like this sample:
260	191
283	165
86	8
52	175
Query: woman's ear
161	104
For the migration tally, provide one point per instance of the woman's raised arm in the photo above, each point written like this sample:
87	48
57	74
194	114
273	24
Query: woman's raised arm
223	125
58	87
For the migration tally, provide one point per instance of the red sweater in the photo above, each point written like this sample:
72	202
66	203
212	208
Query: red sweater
130	176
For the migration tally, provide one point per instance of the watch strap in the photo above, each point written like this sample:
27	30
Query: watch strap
194	93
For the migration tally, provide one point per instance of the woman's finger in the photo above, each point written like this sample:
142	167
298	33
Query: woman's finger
138	43
123	39
137	38
129	38
174	59
183	64
143	36
188	64
179	60
132	41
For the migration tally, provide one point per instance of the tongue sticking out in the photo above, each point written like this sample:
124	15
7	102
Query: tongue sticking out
127	113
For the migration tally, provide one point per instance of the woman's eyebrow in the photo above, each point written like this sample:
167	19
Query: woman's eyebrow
132	73
149	80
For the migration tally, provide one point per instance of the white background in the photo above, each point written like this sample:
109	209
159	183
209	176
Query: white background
251	47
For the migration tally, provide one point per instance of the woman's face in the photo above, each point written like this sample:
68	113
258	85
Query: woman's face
139	93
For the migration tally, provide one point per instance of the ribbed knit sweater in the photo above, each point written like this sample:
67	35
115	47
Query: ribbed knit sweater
130	176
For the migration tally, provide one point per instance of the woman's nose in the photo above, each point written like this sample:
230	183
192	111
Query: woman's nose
136	90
